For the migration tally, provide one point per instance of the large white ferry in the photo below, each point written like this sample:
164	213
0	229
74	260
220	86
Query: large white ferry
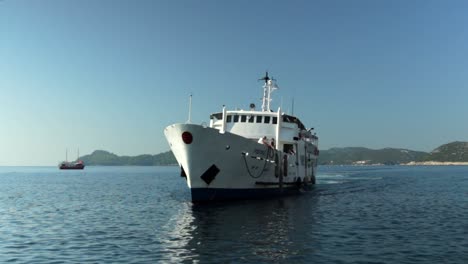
245	154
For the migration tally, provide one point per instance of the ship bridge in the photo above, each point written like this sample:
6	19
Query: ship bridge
285	129
253	124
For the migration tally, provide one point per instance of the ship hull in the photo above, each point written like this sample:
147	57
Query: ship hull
72	168
224	194
226	166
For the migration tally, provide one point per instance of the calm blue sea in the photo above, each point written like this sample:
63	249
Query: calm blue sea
144	215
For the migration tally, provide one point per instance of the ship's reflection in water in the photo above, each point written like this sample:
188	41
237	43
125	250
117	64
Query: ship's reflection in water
246	231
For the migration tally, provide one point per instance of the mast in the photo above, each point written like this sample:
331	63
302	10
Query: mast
292	106
268	88
189	121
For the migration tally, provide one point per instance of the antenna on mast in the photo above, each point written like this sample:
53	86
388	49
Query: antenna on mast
266	78
292	111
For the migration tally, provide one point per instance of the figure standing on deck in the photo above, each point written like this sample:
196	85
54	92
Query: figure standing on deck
263	140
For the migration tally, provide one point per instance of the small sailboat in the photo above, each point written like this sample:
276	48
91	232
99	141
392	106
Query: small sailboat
72	165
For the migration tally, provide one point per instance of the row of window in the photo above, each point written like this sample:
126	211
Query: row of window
251	119
258	119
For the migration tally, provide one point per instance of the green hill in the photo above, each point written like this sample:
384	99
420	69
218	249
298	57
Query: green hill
454	152
451	152
105	158
357	155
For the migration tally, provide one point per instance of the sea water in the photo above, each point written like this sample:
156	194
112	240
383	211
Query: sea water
144	215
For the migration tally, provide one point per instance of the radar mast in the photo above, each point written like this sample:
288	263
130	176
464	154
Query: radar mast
268	88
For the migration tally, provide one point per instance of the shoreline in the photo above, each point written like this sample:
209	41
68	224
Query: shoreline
411	163
435	163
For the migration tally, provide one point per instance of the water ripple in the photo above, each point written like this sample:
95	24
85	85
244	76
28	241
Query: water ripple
143	215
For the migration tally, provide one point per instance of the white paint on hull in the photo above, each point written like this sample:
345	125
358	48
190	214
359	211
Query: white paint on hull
242	162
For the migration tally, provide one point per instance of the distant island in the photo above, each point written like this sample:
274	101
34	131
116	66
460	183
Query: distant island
454	153
105	158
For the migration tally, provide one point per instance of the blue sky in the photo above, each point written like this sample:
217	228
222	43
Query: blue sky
112	74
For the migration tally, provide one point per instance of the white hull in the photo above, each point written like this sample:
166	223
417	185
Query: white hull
221	165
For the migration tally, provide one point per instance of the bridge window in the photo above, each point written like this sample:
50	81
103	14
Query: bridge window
251	119
218	116
243	118
292	119
275	120
259	119
236	118
229	119
266	120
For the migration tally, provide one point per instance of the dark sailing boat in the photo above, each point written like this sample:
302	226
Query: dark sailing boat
73	165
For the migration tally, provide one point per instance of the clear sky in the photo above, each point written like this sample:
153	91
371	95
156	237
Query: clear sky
112	74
